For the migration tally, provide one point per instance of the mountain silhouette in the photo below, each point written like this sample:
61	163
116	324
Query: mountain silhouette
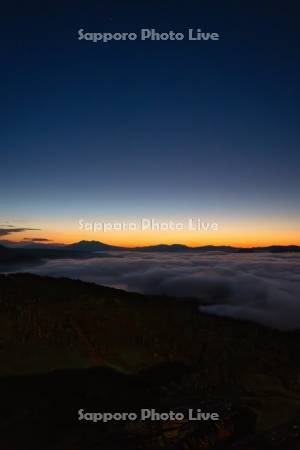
14	253
92	246
96	246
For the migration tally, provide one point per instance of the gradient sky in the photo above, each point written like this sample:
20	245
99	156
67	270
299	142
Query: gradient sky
151	129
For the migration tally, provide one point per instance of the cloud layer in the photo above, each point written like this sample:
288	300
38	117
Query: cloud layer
263	288
10	229
37	239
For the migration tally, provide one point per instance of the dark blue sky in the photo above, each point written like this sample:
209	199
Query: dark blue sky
150	127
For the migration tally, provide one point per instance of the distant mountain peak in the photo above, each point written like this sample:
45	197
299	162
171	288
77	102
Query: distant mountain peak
91	246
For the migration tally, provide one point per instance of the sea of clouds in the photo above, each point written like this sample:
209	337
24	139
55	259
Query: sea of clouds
264	288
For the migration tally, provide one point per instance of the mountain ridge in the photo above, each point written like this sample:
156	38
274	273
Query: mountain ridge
98	246
94	246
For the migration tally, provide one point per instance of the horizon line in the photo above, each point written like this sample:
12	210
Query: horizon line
50	244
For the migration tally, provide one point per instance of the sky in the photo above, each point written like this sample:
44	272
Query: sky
164	129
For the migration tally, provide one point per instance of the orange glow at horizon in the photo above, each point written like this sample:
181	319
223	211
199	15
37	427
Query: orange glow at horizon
246	238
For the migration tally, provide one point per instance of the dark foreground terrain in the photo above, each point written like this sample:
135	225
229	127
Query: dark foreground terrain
66	345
